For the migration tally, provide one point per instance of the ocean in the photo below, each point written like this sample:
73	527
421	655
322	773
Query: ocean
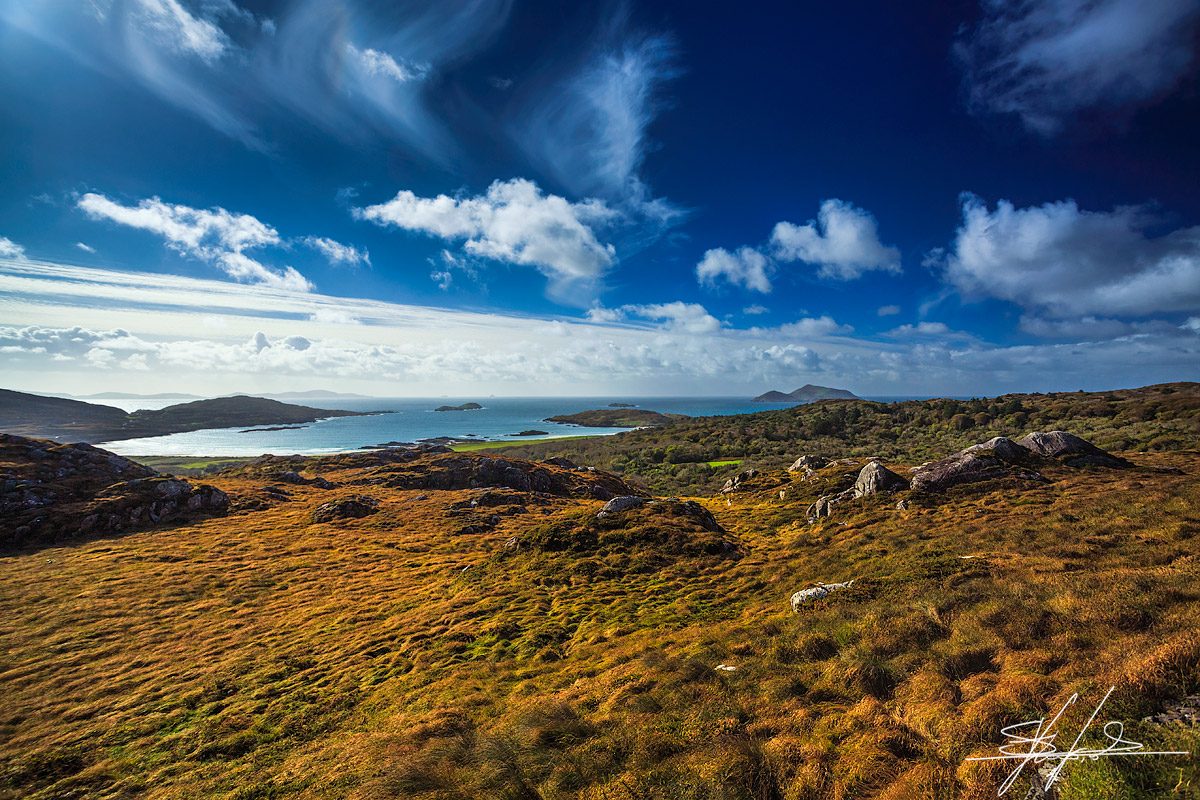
414	419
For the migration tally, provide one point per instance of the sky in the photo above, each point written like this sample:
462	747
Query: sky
530	197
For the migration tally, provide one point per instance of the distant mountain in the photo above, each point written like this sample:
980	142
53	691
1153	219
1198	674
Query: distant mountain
315	394
76	421
807	394
132	396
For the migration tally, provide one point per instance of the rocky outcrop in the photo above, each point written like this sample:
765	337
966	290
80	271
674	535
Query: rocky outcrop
293	477
1003	458
739	481
57	492
1069	449
805	596
807	464
872	479
355	507
474	471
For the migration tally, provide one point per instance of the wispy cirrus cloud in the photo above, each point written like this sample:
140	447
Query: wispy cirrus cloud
336	252
1048	62
213	235
516	223
591	134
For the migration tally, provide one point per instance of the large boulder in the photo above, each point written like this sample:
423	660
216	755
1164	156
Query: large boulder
618	504
966	467
807	464
1002	448
1070	449
875	478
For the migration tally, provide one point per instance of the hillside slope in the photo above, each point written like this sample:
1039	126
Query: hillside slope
370	626
72	420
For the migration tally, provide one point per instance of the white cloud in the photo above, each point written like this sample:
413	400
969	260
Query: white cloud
376	64
334	316
813	327
215	235
1067	262
10	249
605	315
843	242
336	252
755	310
1048	61
513	222
939	329
85	248
747	267
175	28
887	311
685	317
669	348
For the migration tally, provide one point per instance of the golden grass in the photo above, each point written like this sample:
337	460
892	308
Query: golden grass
261	656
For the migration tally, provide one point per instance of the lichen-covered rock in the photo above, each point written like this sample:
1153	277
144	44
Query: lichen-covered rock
875	478
1002	448
1069	448
805	596
618	504
355	507
53	492
738	482
966	467
806	463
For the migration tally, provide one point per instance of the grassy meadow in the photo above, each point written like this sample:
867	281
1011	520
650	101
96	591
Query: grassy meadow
561	655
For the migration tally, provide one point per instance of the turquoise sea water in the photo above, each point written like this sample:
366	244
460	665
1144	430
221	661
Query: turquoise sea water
415	419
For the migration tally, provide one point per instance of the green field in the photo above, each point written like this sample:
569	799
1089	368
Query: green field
725	463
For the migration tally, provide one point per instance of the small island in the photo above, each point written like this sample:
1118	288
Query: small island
617	418
806	394
463	407
621	405
531	433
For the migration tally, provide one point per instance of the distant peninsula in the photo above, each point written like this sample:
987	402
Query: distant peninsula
76	421
617	418
807	394
463	407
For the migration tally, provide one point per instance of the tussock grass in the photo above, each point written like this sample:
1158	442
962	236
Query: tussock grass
262	656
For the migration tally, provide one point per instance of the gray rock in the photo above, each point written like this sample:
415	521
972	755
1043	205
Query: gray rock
805	596
1071	449
621	504
965	467
807	463
1002	448
875	478
738	481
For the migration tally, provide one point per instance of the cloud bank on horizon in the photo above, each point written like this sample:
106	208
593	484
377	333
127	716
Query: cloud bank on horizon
539	198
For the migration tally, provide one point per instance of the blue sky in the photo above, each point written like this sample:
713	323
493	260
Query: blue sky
528	198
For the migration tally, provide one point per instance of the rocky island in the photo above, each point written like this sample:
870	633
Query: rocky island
463	407
807	393
617	418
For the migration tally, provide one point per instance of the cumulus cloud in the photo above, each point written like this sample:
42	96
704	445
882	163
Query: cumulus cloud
1048	61
1059	259
887	311
213	235
336	252
811	327
843	242
10	249
920	329
747	267
756	309
679	316
516	223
